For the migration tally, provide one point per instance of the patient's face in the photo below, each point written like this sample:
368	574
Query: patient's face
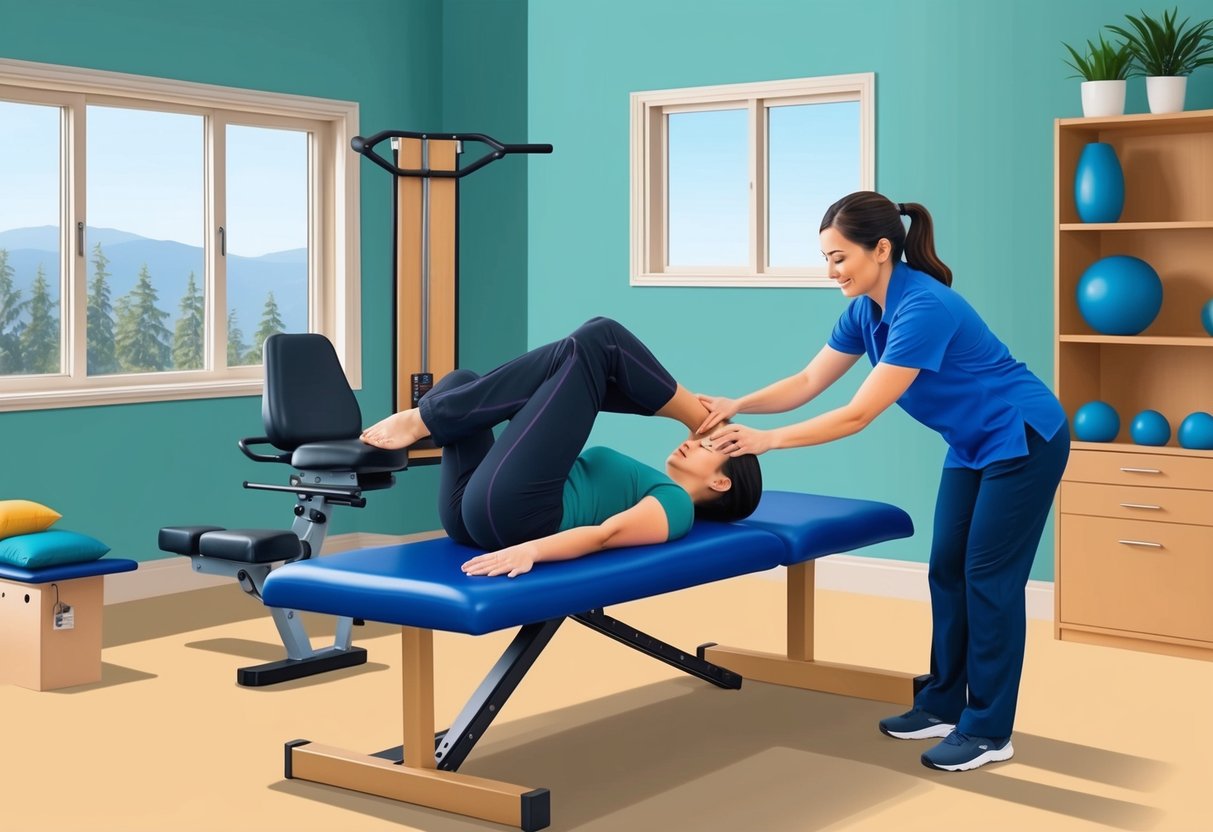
697	458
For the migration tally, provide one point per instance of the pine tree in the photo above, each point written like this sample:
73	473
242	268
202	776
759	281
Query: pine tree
235	341
142	339
11	307
188	339
101	355
271	323
40	338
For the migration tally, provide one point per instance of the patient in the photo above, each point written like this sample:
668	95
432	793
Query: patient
533	494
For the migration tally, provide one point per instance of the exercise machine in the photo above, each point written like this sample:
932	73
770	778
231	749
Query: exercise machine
426	171
311	417
313	421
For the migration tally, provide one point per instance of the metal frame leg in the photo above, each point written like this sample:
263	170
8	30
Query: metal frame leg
690	663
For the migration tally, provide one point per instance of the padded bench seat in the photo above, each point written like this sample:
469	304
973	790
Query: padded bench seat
421	585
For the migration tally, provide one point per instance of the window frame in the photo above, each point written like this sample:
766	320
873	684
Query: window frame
333	235
649	182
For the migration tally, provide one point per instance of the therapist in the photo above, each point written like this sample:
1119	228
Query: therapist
1007	447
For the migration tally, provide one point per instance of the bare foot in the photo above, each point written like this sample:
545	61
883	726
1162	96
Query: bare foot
396	431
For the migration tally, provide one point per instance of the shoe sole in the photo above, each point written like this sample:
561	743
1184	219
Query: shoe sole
941	730
991	756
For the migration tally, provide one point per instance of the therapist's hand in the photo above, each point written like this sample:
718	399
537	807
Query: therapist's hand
735	440
720	410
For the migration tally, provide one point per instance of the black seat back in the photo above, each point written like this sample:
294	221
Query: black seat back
306	398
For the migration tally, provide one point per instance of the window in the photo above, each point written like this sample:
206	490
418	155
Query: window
154	233
729	183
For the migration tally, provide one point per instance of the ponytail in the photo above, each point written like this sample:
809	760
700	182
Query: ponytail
866	217
920	243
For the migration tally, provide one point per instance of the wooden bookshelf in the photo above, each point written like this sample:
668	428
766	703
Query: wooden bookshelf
1134	540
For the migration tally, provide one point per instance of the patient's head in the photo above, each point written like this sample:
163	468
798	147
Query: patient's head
724	488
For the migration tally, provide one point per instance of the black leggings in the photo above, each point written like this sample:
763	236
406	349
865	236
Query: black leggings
494	494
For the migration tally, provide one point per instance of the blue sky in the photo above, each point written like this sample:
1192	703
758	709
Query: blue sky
813	160
145	176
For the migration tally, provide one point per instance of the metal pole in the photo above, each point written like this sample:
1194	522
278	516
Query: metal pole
425	257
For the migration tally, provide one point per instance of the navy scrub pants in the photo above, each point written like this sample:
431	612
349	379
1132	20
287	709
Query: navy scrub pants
988	523
494	494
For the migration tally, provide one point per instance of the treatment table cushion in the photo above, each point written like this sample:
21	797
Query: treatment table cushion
67	571
421	584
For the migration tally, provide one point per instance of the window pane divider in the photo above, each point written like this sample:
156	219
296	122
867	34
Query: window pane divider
758	186
73	301
216	219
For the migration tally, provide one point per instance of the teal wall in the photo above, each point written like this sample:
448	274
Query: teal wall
966	95
484	91
120	472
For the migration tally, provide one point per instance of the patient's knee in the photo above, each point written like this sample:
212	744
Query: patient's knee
599	324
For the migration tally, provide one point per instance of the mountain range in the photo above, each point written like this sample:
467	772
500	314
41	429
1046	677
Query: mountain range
250	279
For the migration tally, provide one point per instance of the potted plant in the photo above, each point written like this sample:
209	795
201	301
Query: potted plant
1167	54
1103	69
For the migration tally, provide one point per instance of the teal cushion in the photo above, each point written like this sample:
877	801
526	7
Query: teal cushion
50	548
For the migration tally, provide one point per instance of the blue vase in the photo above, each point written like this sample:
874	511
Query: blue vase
1099	184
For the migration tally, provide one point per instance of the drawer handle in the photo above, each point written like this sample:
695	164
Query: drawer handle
1141	505
1141	543
1128	470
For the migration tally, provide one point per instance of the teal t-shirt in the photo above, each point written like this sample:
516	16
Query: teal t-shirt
604	482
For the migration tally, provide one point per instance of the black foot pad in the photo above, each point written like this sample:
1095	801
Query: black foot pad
290	669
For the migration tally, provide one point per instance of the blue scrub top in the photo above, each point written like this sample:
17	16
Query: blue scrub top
969	389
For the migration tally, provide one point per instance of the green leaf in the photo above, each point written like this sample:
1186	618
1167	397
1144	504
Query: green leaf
1165	47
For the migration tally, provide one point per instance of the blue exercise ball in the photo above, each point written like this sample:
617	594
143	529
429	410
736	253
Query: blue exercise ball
1196	431
1119	295
1206	316
1096	422
1150	428
1099	184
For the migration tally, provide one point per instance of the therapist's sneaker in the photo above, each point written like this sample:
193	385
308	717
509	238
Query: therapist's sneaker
960	752
915	724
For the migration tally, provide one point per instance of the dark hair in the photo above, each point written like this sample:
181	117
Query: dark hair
742	498
865	217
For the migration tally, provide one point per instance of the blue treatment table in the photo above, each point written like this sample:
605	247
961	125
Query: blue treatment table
420	586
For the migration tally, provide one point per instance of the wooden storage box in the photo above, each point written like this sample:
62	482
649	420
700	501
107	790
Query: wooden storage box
33	653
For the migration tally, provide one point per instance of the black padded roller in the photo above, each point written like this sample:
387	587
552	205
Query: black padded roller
183	540
251	545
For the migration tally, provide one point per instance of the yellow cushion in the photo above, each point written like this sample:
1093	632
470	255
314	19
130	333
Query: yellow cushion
24	517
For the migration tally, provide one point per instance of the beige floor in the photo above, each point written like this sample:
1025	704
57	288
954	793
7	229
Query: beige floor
1106	739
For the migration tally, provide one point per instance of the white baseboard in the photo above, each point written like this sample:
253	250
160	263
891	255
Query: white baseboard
167	576
903	579
845	573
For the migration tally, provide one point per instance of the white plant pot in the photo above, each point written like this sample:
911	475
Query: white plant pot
1103	98
1166	93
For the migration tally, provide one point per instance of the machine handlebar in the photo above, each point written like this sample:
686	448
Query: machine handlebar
497	150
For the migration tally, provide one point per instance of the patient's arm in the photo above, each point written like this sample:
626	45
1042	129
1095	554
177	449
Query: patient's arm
642	524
